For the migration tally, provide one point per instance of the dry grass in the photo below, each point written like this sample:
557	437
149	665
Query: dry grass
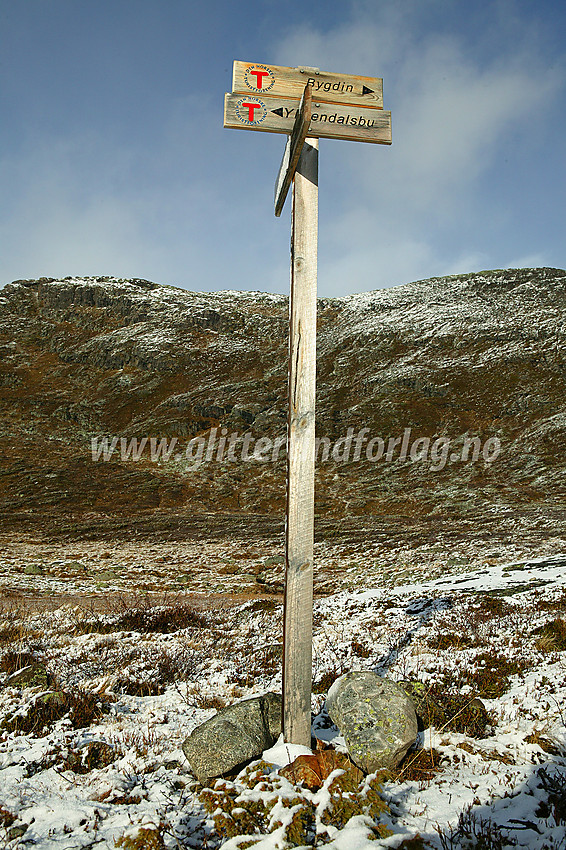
419	766
147	838
448	710
552	636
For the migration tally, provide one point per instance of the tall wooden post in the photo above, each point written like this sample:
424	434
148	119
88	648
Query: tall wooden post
297	628
265	98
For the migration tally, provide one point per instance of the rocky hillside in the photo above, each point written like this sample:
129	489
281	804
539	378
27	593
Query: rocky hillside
478	360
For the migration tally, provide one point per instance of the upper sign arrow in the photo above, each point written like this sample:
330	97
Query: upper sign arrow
251	78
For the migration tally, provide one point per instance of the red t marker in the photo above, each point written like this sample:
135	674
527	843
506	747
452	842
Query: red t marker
251	109
259	75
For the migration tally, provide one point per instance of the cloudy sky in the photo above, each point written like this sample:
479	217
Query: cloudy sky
114	160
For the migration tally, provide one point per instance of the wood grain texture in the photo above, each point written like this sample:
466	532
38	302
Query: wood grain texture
281	81
328	120
293	150
297	629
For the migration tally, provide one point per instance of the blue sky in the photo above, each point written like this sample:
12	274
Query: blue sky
114	161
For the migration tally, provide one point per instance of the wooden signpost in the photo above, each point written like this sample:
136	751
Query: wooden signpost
351	122
306	104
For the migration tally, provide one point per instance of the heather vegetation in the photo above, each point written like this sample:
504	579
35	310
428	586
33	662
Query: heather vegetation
96	703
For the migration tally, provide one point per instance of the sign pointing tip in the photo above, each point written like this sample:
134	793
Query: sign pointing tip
278	111
293	149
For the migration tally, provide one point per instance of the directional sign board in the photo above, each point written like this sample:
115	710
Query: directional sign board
278	81
328	120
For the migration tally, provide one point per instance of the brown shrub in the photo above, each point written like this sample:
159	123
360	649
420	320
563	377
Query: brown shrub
45	709
144	617
418	766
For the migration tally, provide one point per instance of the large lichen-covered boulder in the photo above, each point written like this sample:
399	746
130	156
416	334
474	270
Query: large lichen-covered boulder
234	736
376	717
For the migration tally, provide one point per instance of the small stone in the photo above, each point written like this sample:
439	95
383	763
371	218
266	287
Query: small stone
274	561
17	831
272	580
234	736
376	717
97	755
32	674
33	570
54	700
77	567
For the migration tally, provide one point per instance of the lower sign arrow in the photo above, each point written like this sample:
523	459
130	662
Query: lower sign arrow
293	150
351	122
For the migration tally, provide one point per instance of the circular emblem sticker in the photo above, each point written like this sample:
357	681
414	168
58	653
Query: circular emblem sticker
251	110
259	78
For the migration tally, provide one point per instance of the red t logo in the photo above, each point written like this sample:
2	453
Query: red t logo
251	110
259	75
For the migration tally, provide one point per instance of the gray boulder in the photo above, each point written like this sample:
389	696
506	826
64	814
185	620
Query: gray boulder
375	716
234	736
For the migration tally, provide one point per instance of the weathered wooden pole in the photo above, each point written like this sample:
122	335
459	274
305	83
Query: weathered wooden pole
332	106
297	626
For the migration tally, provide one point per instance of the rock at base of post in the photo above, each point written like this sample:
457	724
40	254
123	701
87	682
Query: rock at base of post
234	736
376	717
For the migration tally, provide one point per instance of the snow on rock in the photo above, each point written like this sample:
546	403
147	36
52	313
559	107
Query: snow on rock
281	754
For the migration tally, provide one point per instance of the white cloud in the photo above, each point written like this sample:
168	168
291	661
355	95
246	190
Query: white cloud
62	224
85	203
413	209
190	204
401	261
466	262
527	261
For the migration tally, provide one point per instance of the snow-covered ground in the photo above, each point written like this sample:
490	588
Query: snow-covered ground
148	676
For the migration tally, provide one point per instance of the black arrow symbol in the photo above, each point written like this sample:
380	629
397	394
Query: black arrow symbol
278	112
365	90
